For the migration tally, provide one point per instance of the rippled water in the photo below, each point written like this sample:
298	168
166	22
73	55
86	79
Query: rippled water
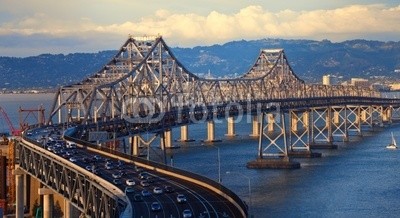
359	179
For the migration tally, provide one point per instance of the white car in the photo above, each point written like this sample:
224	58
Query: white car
157	190
117	175
130	182
181	198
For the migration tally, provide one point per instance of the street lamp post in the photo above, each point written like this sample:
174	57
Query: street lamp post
249	184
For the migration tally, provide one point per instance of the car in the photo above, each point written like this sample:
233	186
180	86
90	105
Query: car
187	213
130	182
157	190
73	159
97	157
150	179
155	206
143	175
117	175
138	169
109	166
181	198
117	182
70	152
86	160
129	189
137	197
145	193
70	144
144	183
168	189
122	172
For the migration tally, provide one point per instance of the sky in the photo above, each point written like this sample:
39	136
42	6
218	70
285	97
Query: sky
32	27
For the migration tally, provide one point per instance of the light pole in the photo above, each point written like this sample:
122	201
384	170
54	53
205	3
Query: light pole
249	184
219	163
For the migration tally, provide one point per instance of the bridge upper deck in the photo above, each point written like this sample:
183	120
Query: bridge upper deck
144	75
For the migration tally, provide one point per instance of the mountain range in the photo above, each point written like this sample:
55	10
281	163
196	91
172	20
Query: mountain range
310	60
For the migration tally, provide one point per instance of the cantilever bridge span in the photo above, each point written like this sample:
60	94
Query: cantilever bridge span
144	88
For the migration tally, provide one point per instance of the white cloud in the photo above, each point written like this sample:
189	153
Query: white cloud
190	29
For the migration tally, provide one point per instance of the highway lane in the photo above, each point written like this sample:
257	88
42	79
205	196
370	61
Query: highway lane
200	201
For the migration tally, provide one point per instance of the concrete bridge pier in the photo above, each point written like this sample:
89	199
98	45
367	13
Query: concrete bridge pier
167	140
255	126
273	153
365	117
321	128
211	132
135	145
271	122
230	127
185	134
387	115
299	135
19	189
48	202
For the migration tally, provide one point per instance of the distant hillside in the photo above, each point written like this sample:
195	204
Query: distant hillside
309	59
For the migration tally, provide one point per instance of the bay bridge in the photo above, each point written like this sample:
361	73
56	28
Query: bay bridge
144	89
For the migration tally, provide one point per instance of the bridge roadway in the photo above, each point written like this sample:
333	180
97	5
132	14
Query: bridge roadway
200	200
159	122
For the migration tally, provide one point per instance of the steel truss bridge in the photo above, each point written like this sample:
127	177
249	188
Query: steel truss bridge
144	88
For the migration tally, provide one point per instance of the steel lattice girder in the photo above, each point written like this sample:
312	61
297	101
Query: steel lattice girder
145	72
83	192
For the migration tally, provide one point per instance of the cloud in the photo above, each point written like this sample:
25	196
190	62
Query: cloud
375	21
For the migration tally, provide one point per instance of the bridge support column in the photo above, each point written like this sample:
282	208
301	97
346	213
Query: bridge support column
211	132
274	153
336	116
70	210
47	202
135	145
339	122
299	135
19	183
256	126
354	120
387	115
321	128
167	141
270	122
230	127
185	134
